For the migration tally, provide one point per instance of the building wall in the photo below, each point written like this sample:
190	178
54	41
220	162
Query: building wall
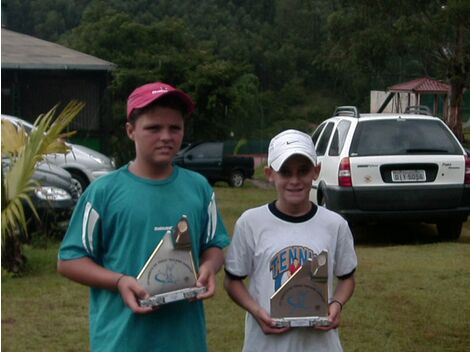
29	93
397	104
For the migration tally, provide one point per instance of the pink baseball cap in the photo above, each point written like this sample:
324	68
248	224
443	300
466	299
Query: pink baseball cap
148	93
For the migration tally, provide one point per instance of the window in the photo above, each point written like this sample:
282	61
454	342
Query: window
401	137
325	137
317	132
339	137
207	151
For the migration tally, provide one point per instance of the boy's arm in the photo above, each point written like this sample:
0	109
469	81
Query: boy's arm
212	260
85	271
237	291
343	292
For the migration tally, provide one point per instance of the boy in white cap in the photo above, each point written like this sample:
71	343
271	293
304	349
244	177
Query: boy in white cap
121	218
268	239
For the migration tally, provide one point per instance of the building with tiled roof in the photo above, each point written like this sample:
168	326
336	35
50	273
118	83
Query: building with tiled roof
38	74
424	85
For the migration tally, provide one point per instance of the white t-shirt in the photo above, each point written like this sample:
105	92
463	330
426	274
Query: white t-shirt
264	245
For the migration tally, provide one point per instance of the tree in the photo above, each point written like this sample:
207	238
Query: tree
455	56
377	43
439	32
210	48
46	19
289	53
165	49
24	152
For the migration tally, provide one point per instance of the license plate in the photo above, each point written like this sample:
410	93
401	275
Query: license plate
408	176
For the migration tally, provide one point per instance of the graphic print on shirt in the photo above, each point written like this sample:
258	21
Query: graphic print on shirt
286	262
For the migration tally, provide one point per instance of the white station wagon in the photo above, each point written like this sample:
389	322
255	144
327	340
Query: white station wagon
392	167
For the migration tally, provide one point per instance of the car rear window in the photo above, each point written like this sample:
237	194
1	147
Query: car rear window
207	150
403	137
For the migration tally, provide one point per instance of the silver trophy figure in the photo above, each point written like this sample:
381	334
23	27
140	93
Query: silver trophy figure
169	274
302	300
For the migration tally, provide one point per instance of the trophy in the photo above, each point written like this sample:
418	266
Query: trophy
302	301
169	274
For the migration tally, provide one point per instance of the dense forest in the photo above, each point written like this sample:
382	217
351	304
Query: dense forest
256	67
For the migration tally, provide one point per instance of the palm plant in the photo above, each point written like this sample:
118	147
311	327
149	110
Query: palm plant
24	152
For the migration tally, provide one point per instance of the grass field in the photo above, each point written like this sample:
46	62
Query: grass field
412	294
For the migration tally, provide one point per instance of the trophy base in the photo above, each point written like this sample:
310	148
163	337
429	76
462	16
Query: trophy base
168	297
301	322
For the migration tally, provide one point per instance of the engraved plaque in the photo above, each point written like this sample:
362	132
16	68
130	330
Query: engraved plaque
169	274
302	300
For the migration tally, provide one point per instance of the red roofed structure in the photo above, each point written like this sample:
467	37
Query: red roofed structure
423	85
418	87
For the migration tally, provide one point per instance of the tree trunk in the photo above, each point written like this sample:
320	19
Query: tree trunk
457	73
454	116
13	259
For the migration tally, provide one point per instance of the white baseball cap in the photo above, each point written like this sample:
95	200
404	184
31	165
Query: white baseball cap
288	143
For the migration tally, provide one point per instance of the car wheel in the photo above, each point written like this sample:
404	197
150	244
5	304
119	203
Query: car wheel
80	182
449	230
236	179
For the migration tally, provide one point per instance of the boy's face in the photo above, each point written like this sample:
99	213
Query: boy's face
157	135
293	182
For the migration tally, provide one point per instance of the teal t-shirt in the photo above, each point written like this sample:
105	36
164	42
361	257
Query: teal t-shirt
117	222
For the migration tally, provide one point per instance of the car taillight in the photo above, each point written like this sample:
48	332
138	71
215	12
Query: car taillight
467	171
344	173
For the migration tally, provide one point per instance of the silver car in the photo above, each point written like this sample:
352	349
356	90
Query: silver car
84	164
53	198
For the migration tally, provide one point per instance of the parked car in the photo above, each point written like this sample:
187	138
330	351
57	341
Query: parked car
392	167
54	198
84	164
209	159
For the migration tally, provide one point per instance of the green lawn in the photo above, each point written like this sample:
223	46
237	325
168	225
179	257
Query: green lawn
412	294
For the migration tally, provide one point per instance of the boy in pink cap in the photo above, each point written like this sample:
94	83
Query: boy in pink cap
269	239
120	219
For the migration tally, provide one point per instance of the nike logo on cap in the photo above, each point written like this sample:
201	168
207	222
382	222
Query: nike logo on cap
290	142
160	90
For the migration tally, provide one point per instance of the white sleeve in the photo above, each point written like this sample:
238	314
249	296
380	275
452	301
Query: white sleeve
239	258
345	255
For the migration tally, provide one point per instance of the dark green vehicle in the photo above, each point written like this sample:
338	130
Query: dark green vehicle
210	160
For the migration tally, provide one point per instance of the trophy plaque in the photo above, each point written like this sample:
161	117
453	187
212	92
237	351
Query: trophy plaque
302	301
169	274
